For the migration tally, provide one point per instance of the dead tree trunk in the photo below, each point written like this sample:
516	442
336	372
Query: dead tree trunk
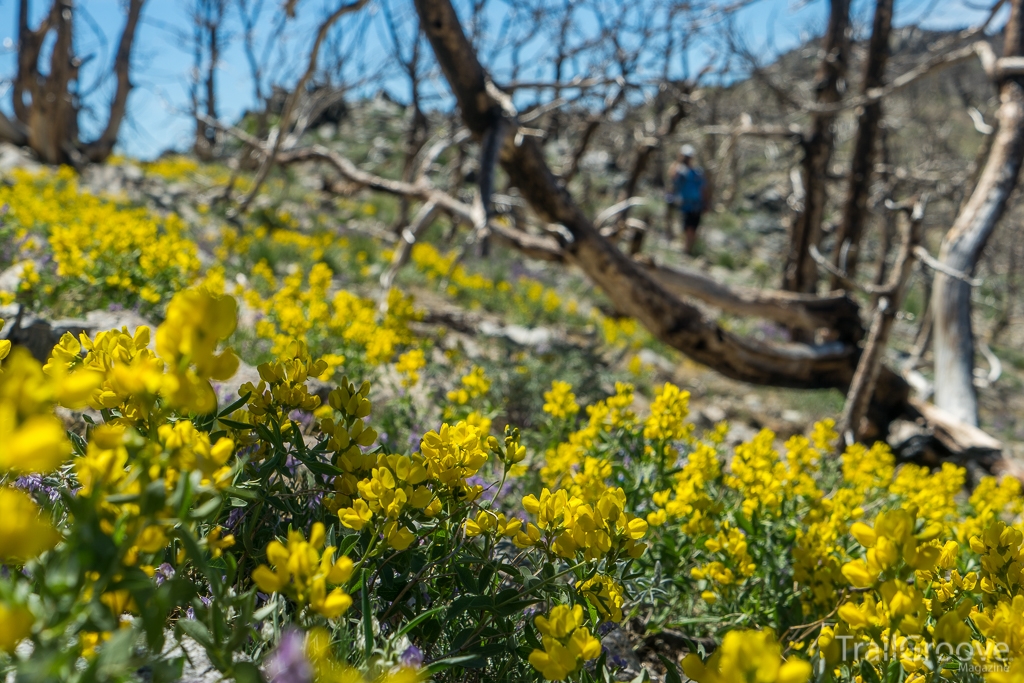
101	148
45	106
855	211
801	274
208	36
52	115
890	299
963	244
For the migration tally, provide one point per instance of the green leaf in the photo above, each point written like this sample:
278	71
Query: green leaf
465	603
154	497
206	509
247	672
467	578
367	617
197	631
166	671
234	406
323	468
868	673
893	672
235	424
744	523
449	662
509	608
420	618
671	670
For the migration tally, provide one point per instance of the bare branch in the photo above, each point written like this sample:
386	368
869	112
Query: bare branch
102	147
277	135
862	387
921	253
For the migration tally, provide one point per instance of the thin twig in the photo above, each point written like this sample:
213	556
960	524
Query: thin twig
922	254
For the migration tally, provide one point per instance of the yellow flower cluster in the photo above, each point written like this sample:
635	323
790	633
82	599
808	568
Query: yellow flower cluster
301	308
571	527
171	167
495	523
303	570
385	489
818	554
689	500
1001	549
572	462
132	378
755	471
747	657
992	499
409	365
933	494
33	441
282	386
605	594
327	669
731	544
567	643
914	597
560	402
669	409
474	384
98	243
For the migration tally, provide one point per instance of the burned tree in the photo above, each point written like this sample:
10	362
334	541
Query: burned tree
46	105
855	210
209	40
963	244
801	273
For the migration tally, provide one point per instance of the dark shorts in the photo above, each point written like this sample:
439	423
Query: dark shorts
691	220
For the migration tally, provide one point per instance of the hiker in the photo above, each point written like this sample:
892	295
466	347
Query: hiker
689	194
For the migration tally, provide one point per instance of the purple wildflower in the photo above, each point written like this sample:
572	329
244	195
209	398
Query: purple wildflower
288	663
163	573
235	517
412	657
34	483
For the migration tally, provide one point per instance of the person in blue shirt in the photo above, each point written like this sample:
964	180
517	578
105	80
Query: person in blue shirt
689	194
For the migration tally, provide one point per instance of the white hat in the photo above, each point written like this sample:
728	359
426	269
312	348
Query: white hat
688	151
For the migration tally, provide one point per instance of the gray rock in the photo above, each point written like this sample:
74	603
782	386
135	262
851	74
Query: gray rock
534	337
794	416
713	414
656	360
12	157
764	224
39	335
11	278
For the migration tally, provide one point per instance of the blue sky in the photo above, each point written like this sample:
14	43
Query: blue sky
158	116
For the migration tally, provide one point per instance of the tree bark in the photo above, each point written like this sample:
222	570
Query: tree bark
53	115
963	244
801	273
102	147
45	107
862	387
855	210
